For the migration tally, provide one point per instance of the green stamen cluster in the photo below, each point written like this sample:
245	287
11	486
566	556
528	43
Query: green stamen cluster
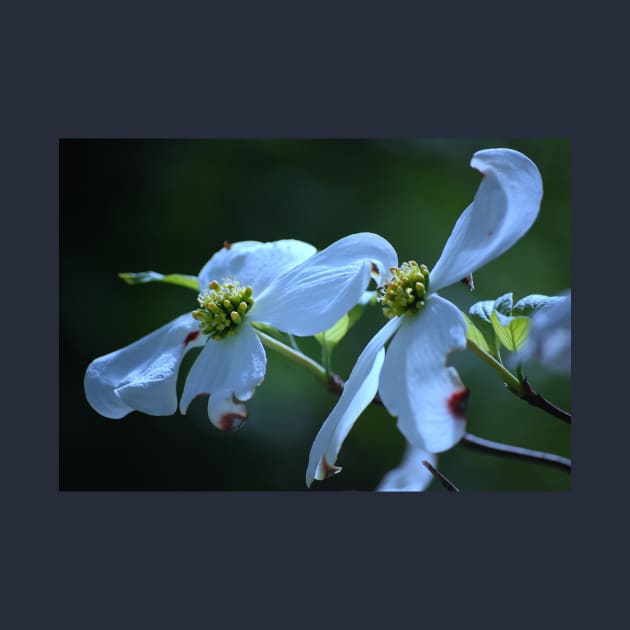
223	308
406	291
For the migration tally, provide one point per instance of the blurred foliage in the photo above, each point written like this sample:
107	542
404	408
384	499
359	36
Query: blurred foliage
135	205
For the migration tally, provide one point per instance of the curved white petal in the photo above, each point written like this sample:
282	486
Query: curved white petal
359	390
416	385
143	375
505	207
226	369
313	296
549	340
253	263
410	475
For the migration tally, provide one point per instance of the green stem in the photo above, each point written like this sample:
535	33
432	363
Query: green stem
295	355
508	377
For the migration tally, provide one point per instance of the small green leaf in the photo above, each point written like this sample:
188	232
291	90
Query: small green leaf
482	310
503	304
531	303
511	331
480	315
475	335
182	280
331	337
328	339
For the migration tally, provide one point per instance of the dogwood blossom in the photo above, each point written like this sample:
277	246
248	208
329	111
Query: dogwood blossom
416	386
284	284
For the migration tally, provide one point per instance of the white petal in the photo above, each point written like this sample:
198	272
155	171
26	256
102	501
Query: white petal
143	375
357	394
253	263
549	340
225	413
410	475
313	296
226	369
505	207
416	385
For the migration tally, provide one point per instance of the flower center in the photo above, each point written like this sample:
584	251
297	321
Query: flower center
222	308
406	291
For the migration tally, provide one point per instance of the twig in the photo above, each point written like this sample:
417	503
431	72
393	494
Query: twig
520	387
438	475
336	384
488	446
533	398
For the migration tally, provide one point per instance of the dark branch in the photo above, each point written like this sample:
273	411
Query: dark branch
532	397
336	385
487	446
438	475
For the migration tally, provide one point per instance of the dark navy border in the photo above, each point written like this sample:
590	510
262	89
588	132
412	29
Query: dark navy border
162	559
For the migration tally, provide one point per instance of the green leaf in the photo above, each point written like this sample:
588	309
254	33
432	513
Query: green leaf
190	282
503	304
328	339
481	311
331	337
511	331
531	303
475	335
480	316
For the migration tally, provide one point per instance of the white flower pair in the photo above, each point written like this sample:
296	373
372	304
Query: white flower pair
288	286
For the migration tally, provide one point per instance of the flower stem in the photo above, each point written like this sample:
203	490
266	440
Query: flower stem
488	446
519	387
508	377
295	355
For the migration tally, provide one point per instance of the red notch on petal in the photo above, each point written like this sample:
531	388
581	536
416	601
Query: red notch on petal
329	470
230	422
191	336
458	402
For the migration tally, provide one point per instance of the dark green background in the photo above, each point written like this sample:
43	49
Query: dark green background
134	205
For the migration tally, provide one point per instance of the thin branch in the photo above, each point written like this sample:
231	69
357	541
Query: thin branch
520	387
488	446
335	385
438	475
533	398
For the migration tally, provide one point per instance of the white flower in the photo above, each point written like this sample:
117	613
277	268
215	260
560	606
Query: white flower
410	475
284	284
412	378
549	340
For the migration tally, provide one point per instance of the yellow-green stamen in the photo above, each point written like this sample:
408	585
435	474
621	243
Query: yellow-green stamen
406	292
223	308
